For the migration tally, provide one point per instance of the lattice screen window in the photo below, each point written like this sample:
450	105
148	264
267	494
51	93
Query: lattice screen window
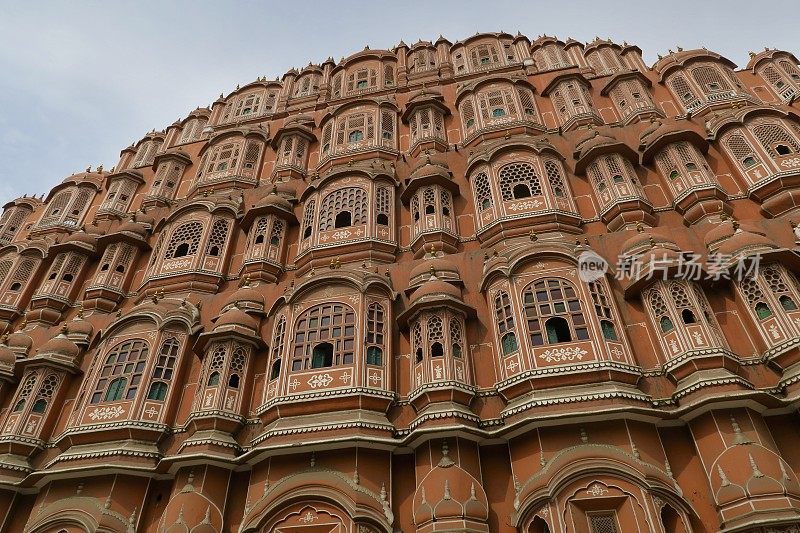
22	274
416	342
457	344
483	192
550	56
497	103
77	207
504	318
773	291
519	180
46	391
306	85
276	236
710	79
308	219
553	312
117	258
707	313
435	341
790	68
11	222
144	154
362	79
615	174
422	60
163	370
324	336
376	318
677	160
343	208
192	130
185	240
388	128
327	137
121	374
6	262
770	74
685	306
217	357
383	206
388	75
278	341
446	201
629	96
120	194
355	130
24	391
604	61
222	160
65	267
218	238
249	104
293	151
603	523
527	103
336	85
484	56
603	310
775	138
426	123
468	116
683	91
57	207
740	149
165	182
571	99
555	176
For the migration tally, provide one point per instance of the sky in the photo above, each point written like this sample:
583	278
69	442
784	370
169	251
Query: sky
80	81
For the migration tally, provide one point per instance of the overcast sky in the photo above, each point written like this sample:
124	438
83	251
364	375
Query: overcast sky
79	81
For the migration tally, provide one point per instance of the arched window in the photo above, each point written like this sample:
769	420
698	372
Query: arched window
278	340
120	376
226	362
24	392
324	335
775	138
416	342
602	309
343	207
185	240
308	219
483	192
218	238
456	337
11	222
382	206
553	312
773	290
504	318
375	334
740	149
46	391
164	369
518	180
710	79
435	336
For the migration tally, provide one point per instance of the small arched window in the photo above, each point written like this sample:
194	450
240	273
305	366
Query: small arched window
158	391
322	355
504	318
275	371
213	379
343	219
185	240
355	136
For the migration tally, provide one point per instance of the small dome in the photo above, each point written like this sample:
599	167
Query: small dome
592	139
438	266
431	168
745	241
82	238
80	327
435	287
274	200
236	317
642	241
7	356
60	345
134	227
19	341
247	294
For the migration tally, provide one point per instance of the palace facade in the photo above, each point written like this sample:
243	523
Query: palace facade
348	300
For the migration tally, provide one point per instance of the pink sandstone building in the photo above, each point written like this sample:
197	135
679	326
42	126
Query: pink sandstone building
351	300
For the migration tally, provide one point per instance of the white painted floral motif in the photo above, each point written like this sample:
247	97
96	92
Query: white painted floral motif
308	517
596	489
320	380
558	355
106	413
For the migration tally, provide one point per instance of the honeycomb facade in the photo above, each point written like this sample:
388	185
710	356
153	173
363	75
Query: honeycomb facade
349	300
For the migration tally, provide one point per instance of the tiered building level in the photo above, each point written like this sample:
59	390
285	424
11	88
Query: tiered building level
347	301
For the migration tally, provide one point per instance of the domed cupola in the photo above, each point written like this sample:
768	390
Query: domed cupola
80	330
59	351
20	342
247	298
449	499
7	360
736	239
434	264
645	252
